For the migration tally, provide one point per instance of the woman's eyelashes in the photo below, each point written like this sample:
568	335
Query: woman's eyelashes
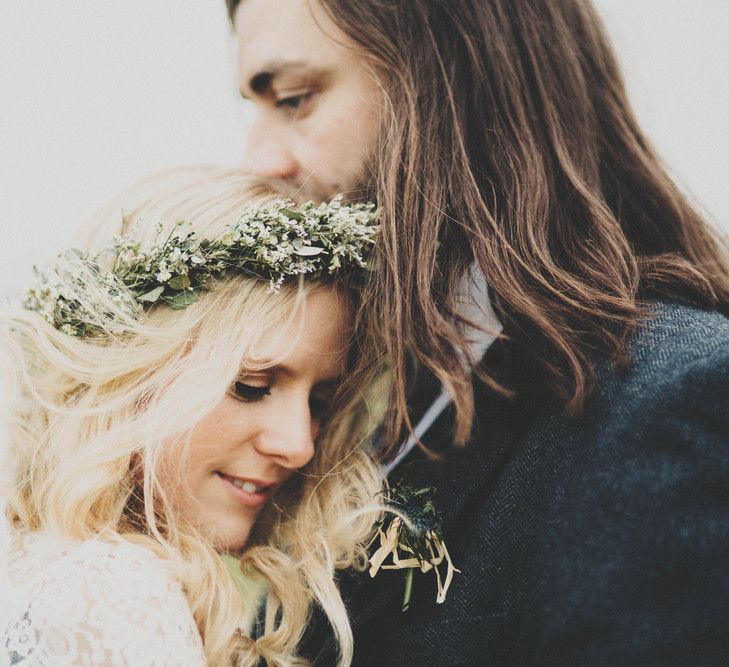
253	390
248	393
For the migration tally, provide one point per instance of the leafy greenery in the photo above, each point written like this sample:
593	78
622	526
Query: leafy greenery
272	242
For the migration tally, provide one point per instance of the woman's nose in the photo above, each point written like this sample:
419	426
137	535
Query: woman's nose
288	436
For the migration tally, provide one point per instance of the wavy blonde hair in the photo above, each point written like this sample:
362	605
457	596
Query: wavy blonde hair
88	415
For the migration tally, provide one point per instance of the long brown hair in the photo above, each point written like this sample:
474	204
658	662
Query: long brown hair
508	140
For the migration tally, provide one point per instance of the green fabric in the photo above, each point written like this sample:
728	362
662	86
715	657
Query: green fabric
251	586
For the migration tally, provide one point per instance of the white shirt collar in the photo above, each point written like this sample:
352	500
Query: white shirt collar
475	306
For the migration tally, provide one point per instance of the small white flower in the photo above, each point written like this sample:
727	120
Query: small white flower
314	239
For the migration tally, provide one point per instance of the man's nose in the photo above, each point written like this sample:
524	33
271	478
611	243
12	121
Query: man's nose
288	436
267	154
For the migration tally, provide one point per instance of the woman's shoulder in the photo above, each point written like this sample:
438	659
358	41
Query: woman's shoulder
39	562
93	602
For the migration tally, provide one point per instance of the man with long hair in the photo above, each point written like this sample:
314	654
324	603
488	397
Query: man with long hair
580	462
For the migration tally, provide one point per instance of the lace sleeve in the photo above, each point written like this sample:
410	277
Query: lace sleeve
102	604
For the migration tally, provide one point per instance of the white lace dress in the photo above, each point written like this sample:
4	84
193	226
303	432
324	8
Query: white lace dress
94	603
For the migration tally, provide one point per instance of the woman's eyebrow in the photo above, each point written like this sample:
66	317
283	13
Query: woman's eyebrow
258	366
332	380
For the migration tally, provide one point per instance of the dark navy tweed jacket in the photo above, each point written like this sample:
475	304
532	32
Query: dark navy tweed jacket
602	540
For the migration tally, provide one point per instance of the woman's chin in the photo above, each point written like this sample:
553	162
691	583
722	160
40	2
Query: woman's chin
230	536
223	545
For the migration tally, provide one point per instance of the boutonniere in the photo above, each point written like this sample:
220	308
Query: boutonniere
411	536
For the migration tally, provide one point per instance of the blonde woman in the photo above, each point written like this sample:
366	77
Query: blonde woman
154	441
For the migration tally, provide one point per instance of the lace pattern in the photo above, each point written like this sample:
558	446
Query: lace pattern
95	603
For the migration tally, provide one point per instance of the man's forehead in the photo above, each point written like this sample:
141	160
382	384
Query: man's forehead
282	36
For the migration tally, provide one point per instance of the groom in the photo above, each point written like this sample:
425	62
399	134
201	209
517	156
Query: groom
581	457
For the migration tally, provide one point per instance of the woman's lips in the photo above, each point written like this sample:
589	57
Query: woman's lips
250	492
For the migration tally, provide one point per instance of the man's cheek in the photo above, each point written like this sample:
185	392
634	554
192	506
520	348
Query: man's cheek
346	146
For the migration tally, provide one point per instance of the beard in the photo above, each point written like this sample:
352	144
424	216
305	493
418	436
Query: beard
359	188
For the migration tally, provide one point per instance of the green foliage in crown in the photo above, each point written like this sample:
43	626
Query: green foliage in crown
81	296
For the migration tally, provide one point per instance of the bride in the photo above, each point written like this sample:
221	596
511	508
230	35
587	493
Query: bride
188	431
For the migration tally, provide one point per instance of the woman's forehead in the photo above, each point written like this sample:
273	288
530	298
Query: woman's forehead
314	341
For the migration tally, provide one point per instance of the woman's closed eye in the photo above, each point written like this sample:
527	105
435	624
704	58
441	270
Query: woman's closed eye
248	393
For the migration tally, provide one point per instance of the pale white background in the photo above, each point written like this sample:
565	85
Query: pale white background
96	93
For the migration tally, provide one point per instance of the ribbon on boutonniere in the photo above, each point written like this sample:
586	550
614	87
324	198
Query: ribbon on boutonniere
411	536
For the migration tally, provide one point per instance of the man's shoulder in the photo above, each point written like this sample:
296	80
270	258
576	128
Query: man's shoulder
651	437
633	527
674	388
678	338
679	369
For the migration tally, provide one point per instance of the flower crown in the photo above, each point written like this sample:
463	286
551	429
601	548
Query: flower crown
81	297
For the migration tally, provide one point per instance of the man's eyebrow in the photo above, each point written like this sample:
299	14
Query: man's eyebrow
262	80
